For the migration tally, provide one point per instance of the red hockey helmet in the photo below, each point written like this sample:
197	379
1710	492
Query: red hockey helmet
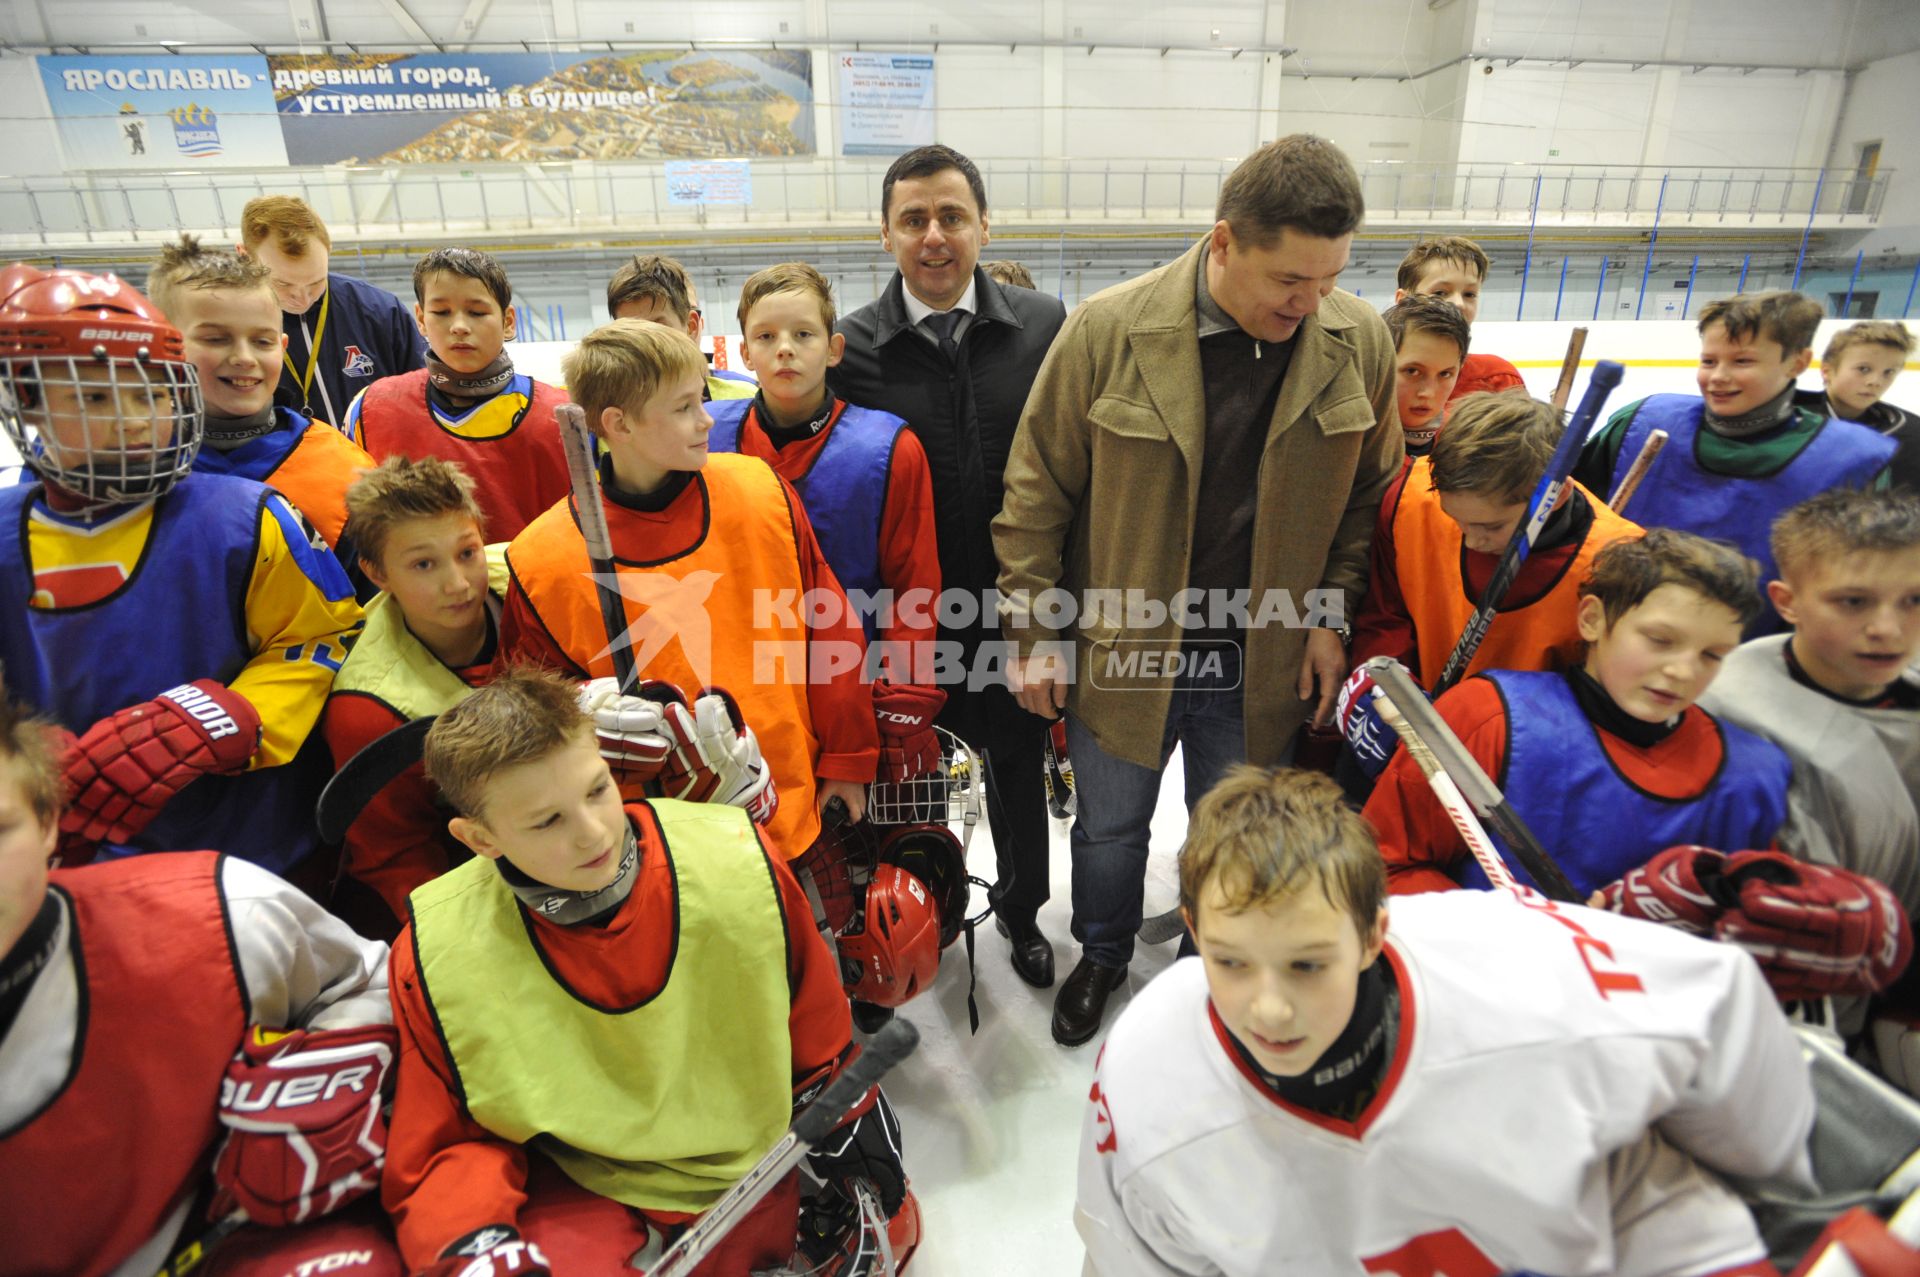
894	951
95	389
932	854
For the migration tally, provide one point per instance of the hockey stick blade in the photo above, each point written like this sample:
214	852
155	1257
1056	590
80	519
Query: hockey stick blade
1481	793
892	1044
377	764
583	477
1546	495
1162	927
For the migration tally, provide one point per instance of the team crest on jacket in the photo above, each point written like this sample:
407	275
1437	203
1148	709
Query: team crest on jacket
358	363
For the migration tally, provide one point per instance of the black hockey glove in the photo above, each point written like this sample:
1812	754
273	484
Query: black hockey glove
866	1148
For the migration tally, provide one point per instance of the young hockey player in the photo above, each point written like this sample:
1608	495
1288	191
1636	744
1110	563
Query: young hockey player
1857	369
862	476
468	404
1440	534
659	288
1430	344
432	636
728	555
1836	694
1741	453
224	617
1465	1084
607	1016
1453	269
226	313
165	1016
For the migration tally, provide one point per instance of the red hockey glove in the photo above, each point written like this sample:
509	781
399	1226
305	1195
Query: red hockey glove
122	772
305	1134
716	758
1816	930
631	729
908	745
868	1148
1676	888
494	1251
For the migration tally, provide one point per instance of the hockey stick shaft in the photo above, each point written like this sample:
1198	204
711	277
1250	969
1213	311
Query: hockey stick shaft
1423	722
1452	801
1642	462
1606	375
190	1256
894	1043
1569	368
583	475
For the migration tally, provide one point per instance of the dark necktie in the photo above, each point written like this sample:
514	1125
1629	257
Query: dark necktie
941	325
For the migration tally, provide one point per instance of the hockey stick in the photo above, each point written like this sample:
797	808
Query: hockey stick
1452	801
375	766
1569	367
190	1256
583	473
1606	375
1649	452
1162	927
1420	722
892	1044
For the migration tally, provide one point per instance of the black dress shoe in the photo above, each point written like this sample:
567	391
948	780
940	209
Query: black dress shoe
1032	953
1082	1001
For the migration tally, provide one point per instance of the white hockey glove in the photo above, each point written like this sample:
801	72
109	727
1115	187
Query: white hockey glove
716	757
631	729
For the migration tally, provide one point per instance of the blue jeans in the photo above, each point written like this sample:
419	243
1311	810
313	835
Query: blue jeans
1116	799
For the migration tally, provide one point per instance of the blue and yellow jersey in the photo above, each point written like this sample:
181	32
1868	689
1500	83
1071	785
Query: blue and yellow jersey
218	579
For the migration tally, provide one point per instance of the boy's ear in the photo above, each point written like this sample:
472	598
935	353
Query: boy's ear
1399	294
420	318
1780	594
1800	361
1592	618
1186	916
696	324
1374	943
508	319
374	574
836	347
475	836
613	421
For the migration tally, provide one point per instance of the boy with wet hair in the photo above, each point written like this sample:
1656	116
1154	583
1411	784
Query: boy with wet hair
225	309
863	478
607	1016
1442	528
1311	1093
1857	369
256	1025
432	636
1430	347
1741	453
659	289
468	405
1453	269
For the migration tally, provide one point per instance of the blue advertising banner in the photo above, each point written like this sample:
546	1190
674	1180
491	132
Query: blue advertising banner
886	102
445	108
163	111
709	182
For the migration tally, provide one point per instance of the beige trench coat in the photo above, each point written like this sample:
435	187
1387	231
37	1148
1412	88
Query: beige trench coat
1104	479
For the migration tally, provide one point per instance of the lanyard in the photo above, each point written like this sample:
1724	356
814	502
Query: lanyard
313	354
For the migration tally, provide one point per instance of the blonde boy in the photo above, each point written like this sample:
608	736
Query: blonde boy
1311	1094
1742	452
715	555
468	404
225	310
432	636
1453	269
567	1073
863	478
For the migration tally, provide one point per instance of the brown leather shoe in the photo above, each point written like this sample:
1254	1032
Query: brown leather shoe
1032	953
1082	1001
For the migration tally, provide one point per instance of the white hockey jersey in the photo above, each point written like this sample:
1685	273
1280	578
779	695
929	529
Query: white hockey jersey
1538	1045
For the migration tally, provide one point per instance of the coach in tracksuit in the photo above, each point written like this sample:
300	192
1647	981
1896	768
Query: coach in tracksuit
954	354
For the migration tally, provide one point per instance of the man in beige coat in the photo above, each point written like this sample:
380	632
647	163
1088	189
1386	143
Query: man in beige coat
1194	480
